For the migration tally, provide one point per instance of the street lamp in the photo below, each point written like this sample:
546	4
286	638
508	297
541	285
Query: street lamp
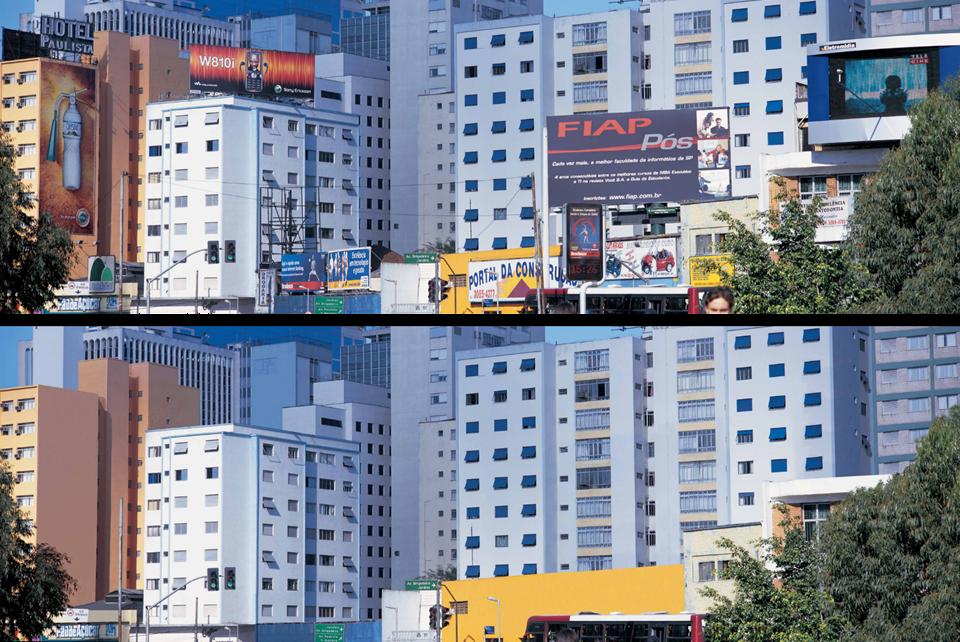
164	599
499	630
148	282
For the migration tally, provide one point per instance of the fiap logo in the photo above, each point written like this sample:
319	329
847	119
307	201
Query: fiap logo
611	125
611	128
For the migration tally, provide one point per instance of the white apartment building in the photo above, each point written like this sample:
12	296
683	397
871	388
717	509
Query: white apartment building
541	496
364	89
366	417
425	515
686	418
798	402
278	508
511	75
224	169
421	44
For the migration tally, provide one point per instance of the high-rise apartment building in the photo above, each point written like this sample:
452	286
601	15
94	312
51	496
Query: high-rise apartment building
915	377
425	404
276	510
49	439
421	44
361	86
227	168
552	447
901	18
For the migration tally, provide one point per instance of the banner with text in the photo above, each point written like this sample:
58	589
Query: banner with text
348	269
252	72
302	272
511	279
672	155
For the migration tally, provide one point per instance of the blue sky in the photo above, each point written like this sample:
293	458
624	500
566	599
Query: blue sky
10	10
9	335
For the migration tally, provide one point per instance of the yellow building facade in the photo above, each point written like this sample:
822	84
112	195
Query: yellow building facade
626	590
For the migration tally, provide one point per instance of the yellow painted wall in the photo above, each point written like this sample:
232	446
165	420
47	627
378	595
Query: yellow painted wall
627	590
454	268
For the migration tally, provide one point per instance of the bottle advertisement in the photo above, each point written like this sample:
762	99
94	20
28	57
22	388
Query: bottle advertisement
68	146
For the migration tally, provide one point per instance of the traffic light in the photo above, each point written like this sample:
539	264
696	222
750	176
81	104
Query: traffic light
230	251
445	616
442	289
213	252
435	617
213	579
229	579
432	291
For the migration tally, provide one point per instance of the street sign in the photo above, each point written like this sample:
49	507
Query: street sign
328	633
267	280
328	305
421	585
420	257
77	615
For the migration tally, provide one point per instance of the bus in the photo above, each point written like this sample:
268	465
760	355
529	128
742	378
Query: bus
654	299
616	627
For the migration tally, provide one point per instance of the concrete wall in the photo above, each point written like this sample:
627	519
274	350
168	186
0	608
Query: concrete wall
702	547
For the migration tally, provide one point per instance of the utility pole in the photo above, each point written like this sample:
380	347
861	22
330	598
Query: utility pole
439	612
123	225
538	242
120	570
196	292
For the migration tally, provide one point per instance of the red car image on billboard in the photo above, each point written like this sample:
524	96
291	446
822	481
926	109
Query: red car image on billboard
251	72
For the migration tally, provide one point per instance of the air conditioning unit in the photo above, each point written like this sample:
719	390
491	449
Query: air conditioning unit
19	81
19	407
19	128
17	456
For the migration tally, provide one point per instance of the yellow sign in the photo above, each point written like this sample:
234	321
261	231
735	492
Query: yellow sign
706	271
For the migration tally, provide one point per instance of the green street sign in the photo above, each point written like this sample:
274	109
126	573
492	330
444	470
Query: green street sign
421	585
328	305
663	211
420	257
328	633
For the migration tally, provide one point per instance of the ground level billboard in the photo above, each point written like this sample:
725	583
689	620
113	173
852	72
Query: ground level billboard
673	155
511	279
303	272
348	269
650	258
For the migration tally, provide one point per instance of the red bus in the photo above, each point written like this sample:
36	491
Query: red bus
616	627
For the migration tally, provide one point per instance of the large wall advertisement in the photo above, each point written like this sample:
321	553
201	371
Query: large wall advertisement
639	157
506	280
348	269
68	145
252	72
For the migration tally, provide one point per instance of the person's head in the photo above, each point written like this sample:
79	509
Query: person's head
708	119
719	121
562	307
893	82
566	635
719	301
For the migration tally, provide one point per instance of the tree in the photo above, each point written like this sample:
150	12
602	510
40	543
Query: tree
905	227
791	275
446	246
34	583
892	552
35	253
777	594
440	573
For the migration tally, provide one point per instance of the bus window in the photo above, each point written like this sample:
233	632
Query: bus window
535	632
678	633
591	632
619	632
649	633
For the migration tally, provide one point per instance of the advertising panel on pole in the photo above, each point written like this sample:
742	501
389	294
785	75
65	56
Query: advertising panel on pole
101	273
348	269
267	282
68	146
251	72
584	236
648	258
303	272
673	155
511	279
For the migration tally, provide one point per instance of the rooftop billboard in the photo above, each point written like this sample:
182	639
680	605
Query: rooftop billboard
251	72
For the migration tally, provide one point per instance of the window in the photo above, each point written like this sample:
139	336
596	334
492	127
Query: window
526	37
744	405
744	373
745	467
778	434
741	77
777	402
590	507
948	340
773	42
694	380
813	431
500	483
589	92
592	361
698	471
182	148
592	390
774	107
745	499
946	371
776	370
811	335
693	83
738	15
807	39
696	410
814	515
812	399
526	66
593	449
589	33
499	396
774	138
695	350
771	11
695	53
778	465
808	8
593	419
696	441
941	13
700	501
741	109
744	436
692	22
588	478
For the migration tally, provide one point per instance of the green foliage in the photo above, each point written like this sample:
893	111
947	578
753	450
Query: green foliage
440	573
777	595
905	228
779	269
35	254
446	246
892	553
34	584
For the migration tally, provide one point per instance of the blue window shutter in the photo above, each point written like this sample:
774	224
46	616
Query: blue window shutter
526	213
499	97
738	15
741	109
773	42
771	11
500	570
471	245
498	40
472	456
526	182
741	77
741	342
473	427
499	184
499	425
529	569
527	241
470	100
776	370
774	74
498	126
807	8
471	186
775	339
811	334
472	370
499	483
471	215
526	365
473	571
528	452
528	481
812	399
778	465
778	434
744	405
500	243
500	511
499	156
530	539
526	37
528	510
499	367
774	106
473	541
774	138
747	435
469	43
526	125
469	158
473	512
499	454
472	484
811	367
527	153
814	463
777	401
808	39
813	431
529	422
470	129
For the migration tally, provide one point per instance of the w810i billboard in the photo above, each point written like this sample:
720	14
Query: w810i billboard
252	72
680	155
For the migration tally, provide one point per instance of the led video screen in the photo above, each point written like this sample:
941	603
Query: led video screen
891	84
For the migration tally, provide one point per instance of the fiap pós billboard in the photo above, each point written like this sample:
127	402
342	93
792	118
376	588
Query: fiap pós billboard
639	157
69	129
252	72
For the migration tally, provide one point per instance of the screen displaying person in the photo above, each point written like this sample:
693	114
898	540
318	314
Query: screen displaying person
893	97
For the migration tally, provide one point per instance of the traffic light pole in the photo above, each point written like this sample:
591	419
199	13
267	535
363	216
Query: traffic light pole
164	599
149	282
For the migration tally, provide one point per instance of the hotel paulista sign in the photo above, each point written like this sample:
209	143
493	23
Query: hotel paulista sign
66	39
